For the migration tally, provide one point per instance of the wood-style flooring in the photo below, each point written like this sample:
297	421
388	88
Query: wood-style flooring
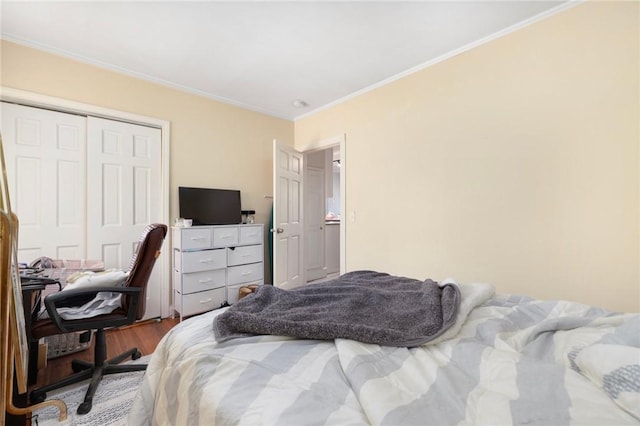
144	336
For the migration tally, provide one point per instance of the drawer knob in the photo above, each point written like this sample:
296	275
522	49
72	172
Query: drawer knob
205	260
205	301
208	280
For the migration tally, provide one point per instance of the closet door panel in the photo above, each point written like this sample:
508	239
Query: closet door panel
45	153
124	193
26	197
112	195
142	187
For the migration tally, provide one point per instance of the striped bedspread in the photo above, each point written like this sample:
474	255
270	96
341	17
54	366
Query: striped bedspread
509	360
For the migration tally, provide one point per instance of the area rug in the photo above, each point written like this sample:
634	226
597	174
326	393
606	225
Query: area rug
111	403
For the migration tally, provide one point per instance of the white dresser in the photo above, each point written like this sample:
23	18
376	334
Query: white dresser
211	263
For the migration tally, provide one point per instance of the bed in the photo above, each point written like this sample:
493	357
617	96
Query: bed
504	360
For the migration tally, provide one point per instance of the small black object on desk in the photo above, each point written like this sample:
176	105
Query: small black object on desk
247	216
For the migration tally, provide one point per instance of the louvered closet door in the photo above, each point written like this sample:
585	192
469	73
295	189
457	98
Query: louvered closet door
45	154
124	194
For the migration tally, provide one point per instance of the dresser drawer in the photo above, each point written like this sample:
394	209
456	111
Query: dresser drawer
195	303
201	281
193	238
225	237
244	254
245	273
195	261
251	234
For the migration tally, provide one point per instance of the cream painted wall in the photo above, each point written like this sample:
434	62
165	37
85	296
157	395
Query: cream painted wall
515	163
212	144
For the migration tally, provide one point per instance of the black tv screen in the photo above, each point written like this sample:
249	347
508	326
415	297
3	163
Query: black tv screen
207	206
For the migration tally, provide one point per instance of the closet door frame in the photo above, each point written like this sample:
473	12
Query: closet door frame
37	100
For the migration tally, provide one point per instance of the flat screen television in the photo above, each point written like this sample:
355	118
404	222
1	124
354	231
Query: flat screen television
208	206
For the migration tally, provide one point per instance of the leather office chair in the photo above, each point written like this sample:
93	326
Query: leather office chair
133	307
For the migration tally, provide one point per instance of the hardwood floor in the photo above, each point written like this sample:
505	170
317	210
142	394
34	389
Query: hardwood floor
144	336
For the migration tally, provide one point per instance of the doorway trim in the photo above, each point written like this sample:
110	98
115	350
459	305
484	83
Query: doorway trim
341	141
32	99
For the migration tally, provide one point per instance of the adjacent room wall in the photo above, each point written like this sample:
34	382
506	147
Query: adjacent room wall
212	144
515	163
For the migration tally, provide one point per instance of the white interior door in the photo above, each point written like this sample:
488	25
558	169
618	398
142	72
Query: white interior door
124	194
288	226
314	235
45	153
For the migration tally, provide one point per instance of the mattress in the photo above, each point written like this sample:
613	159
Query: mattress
508	360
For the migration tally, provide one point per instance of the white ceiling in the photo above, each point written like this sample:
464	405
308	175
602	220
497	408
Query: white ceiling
263	55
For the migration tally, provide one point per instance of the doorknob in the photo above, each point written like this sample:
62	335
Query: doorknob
279	230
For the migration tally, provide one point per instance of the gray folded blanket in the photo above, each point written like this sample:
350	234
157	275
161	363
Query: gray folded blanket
367	306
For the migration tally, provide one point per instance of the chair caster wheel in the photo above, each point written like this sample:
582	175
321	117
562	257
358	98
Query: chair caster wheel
84	408
37	398
136	355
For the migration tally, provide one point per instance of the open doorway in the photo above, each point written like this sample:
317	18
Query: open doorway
323	213
289	245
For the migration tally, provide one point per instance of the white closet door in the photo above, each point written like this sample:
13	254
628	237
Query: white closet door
45	154
124	194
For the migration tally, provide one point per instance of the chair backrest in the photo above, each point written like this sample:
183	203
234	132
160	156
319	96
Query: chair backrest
143	261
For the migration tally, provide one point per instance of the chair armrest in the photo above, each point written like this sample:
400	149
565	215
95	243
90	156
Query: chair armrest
80	296
32	287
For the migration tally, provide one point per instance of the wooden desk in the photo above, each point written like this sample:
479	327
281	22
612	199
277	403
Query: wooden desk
32	286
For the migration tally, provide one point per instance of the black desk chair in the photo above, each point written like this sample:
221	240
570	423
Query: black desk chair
133	307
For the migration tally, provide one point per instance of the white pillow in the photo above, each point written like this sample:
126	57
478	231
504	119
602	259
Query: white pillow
89	279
